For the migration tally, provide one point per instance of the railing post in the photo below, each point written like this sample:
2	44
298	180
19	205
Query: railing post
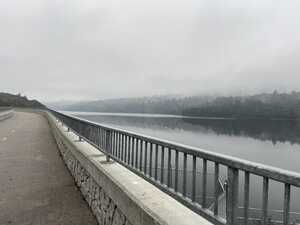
108	145
232	196
286	206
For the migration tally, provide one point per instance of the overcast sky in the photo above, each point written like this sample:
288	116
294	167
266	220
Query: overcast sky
91	49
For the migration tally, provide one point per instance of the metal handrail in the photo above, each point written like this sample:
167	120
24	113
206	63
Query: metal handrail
6	112
5	108
136	152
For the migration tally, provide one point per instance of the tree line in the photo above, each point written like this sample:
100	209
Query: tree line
263	106
18	100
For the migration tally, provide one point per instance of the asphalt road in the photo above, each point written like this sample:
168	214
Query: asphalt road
35	186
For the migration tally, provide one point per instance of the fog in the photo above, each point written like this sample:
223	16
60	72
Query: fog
79	50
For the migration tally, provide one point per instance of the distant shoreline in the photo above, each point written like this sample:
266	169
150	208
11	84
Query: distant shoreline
150	115
154	115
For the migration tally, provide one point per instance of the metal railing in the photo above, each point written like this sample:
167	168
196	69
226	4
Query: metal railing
6	112
174	168
5	108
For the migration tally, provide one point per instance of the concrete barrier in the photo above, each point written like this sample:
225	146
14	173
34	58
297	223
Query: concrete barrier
6	114
116	195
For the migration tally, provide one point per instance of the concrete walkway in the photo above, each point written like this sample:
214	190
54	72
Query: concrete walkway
35	186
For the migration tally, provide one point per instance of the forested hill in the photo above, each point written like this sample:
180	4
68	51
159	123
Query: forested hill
18	101
156	104
263	106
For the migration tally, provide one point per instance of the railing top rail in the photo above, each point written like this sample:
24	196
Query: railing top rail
5	108
271	172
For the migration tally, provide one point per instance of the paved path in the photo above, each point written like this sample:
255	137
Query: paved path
35	186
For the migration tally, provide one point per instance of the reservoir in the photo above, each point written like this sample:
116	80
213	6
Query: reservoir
270	142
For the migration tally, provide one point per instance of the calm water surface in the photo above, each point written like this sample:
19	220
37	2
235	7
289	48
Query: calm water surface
275	143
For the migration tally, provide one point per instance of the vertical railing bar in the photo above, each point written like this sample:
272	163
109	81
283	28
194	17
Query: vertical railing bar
286	204
86	131
145	157
204	181
91	134
94	134
105	138
265	199
132	151
156	162
150	161
119	146
194	179
232	192
108	145
112	141
162	164
246	197
103	144
97	136
176	170
97	139
122	148
125	148
129	149
136	152
141	154
116	144
101	138
169	167
216	203
184	173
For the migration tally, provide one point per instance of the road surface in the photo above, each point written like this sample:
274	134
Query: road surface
35	186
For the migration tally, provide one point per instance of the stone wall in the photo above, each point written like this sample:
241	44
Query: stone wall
105	210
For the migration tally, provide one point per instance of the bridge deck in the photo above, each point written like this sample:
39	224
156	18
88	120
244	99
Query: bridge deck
35	186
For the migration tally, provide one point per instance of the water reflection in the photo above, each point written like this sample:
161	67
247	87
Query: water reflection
264	141
272	130
265	130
